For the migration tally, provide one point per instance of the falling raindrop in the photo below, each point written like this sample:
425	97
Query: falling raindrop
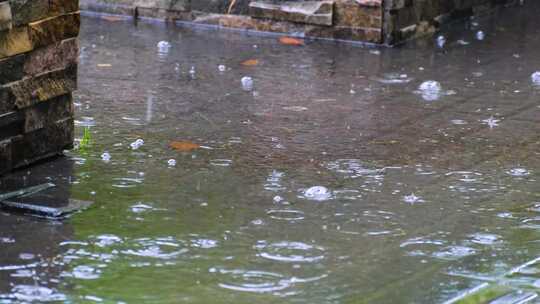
171	162
222	68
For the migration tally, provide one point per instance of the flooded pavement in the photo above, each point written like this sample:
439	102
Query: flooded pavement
230	168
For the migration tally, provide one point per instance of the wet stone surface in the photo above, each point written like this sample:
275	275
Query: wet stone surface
337	177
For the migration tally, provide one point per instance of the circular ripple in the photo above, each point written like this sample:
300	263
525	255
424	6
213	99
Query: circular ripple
291	252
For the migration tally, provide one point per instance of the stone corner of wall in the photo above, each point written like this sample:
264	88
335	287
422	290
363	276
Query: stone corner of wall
38	73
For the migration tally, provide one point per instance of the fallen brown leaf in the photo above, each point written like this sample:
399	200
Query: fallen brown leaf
291	41
250	62
184	146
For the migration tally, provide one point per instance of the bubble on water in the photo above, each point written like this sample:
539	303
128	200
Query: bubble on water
463	42
163	48
441	41
247	83
222	68
106	157
163	44
317	193
430	90
480	35
290	252
412	199
277	199
137	144
171	162
518	172
7	240
535	78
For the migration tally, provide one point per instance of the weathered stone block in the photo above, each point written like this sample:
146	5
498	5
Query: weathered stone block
14	42
30	91
53	57
27	11
42	143
11	69
5	156
54	29
309	12
348	13
5	16
11	124
171	5
46	113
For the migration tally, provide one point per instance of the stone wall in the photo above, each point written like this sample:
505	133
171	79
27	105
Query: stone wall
376	21
406	19
38	72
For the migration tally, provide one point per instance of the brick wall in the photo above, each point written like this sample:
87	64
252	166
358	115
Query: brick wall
38	72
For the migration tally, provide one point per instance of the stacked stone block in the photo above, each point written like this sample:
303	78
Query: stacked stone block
377	21
38	72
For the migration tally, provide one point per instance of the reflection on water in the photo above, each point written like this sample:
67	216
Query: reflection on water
341	174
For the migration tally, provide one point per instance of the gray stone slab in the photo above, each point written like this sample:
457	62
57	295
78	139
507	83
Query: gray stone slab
309	12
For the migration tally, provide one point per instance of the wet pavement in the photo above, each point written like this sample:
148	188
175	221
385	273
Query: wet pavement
341	176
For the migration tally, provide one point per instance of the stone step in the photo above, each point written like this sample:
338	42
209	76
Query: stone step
308	12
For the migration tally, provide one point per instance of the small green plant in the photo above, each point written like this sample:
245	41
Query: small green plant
86	139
